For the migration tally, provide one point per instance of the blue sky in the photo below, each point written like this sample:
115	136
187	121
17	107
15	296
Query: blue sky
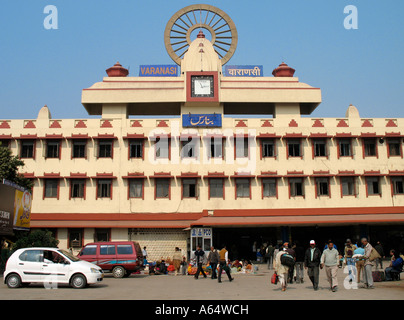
363	67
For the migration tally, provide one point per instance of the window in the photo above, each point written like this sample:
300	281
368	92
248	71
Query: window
398	185
320	148
345	148
296	187
27	149
136	149
216	148
294	148
162	148
135	188
394	147
52	149
373	186
101	235
90	250
31	256
104	188
107	249
216	188
189	188
124	249
77	188
243	188
268	148
105	148
369	147
269	187
241	145
322	185
50	256
162	188
188	148
75	237
79	148
4	143
348	186
51	188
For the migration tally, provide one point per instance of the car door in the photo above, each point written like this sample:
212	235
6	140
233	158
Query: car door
55	268
107	256
89	253
126	256
30	265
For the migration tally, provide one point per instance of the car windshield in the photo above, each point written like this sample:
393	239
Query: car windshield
69	255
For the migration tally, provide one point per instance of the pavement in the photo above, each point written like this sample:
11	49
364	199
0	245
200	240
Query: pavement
169	287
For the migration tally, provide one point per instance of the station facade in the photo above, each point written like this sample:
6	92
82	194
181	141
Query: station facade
209	158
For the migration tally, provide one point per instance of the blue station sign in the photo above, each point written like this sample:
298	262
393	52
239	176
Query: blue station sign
201	120
244	71
158	70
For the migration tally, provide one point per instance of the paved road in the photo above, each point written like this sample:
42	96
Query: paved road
170	287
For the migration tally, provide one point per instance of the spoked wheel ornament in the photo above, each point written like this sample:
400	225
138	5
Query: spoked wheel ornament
223	32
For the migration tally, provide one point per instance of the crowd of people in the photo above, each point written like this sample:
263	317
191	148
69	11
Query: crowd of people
361	260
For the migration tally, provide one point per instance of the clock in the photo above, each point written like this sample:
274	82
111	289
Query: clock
202	86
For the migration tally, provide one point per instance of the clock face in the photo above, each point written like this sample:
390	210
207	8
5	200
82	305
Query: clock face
202	86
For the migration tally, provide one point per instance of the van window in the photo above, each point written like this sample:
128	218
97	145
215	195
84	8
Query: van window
107	249
124	249
89	251
31	256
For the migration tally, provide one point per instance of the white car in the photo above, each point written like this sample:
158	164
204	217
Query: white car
49	266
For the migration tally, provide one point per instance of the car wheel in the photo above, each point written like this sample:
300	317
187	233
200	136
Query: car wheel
78	281
118	272
13	281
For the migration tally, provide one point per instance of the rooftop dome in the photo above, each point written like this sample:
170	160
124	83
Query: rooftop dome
283	71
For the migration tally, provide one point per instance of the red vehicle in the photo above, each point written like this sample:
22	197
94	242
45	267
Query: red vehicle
119	257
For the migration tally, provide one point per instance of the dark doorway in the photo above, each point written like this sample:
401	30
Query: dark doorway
338	234
240	241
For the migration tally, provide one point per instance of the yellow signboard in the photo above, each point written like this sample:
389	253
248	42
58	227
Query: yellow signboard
15	207
22	209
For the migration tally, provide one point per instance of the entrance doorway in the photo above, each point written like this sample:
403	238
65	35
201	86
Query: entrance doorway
338	234
240	241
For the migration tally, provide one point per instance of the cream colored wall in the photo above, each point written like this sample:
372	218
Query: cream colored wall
120	166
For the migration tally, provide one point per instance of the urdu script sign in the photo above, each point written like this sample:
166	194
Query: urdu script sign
201	120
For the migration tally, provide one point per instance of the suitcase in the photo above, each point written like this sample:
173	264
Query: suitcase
378	276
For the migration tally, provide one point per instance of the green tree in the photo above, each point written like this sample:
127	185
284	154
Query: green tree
36	238
9	166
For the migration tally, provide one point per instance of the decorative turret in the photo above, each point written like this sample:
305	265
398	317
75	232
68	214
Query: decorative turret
117	71
200	34
283	71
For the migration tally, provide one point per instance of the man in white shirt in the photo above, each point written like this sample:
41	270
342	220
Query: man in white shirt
330	260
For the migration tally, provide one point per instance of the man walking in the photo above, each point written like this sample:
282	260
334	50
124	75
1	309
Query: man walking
199	259
299	251
330	260
213	259
270	254
312	263
367	272
223	258
379	248
290	251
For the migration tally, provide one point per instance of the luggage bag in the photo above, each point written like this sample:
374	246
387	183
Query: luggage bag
378	276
